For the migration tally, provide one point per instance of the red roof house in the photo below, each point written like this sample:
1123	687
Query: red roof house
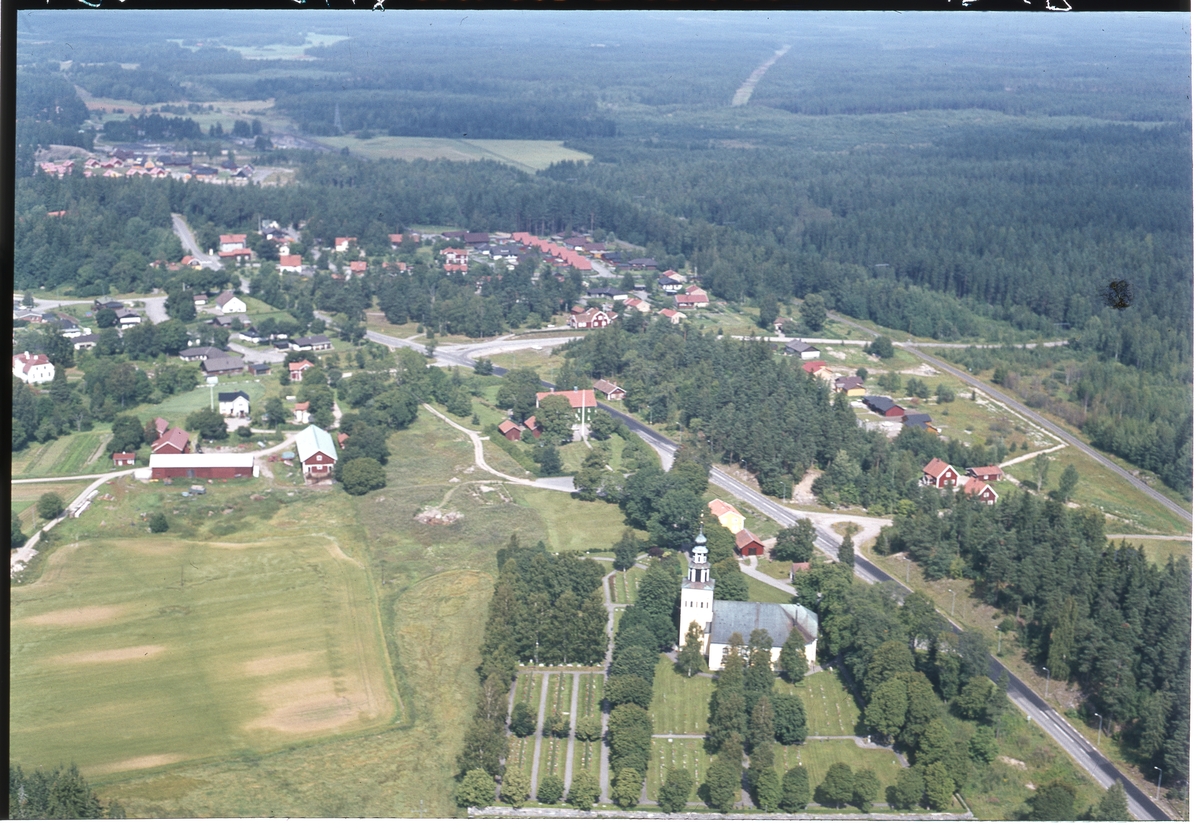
296	370
579	399
813	366
510	430
939	474
977	488
161	425
174	441
123	458
986	473
748	544
532	425
291	262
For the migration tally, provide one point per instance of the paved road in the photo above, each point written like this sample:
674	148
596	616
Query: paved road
156	306
1025	411
188	240
909	343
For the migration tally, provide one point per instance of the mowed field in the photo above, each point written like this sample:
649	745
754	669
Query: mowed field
140	653
529	156
78	453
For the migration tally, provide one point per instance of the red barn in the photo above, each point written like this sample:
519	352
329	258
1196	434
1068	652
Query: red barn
532	425
210	465
748	544
510	430
939	474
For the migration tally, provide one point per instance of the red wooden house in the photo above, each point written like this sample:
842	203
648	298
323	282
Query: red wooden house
977	488
939	474
986	473
510	430
748	544
532	425
123	459
174	441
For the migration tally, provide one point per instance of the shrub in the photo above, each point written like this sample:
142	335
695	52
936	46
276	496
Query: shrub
158	523
477	789
362	475
49	505
550	790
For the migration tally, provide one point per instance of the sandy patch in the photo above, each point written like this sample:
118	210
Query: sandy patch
114	655
76	616
146	761
802	492
1011	761
268	665
309	705
436	517
924	370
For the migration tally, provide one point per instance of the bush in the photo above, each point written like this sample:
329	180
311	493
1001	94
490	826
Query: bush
550	790
585	791
588	729
362	475
523	723
514	789
244	432
158	523
627	788
477	789
676	789
49	505
796	791
208	423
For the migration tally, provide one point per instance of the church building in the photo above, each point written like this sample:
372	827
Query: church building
719	619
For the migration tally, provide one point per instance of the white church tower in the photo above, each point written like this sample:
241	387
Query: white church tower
696	596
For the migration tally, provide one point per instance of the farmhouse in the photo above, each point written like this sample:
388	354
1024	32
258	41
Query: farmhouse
674	316
916	420
939	474
227	303
851	386
692	298
977	488
883	406
727	515
316	451
341	244
985	473
296	370
581	401
748	544
123	458
314	342
216	366
591	318
719	620
290	263
611	391
232	241
233	403
33	368
638	304
510	430
802	350
174	441
300	412
211	465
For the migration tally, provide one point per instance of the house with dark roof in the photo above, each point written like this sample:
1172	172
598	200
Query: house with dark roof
204	352
916	420
216	366
233	403
851	386
315	342
802	350
611	391
883	406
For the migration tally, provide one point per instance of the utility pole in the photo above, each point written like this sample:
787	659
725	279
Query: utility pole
1158	788
1046	693
1099	728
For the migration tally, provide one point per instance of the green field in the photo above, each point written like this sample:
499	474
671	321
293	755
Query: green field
572	524
680	704
177	407
79	453
1158	551
760	592
831	709
529	156
144	653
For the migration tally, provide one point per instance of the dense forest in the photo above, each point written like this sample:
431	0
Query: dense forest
1092	611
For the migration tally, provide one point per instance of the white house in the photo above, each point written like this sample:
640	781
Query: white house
233	403
33	368
227	303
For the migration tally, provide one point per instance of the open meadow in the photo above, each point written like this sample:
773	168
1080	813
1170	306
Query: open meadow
78	453
140	653
527	155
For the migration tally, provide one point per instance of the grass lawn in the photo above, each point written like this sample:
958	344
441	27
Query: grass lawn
831	709
78	453
818	755
537	358
775	569
1128	510
572	524
760	592
680	704
622	586
1157	552
528	690
177	407
25	497
673	752
141	653
587	754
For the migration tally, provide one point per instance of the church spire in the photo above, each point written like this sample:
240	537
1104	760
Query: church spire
698	567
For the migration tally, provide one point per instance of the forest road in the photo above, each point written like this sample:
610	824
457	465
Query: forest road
188	240
1048	425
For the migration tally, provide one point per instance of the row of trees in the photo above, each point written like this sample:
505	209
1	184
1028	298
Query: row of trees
1090	610
60	794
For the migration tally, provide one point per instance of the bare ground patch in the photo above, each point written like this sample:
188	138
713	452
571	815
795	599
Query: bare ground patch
146	761
309	705
802	492
923	370
267	665
114	655
76	616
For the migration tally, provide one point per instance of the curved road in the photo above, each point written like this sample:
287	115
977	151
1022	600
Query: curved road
1025	411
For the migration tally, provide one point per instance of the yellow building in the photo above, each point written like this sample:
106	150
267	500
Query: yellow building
728	517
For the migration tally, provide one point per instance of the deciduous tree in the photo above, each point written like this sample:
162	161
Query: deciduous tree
796	791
